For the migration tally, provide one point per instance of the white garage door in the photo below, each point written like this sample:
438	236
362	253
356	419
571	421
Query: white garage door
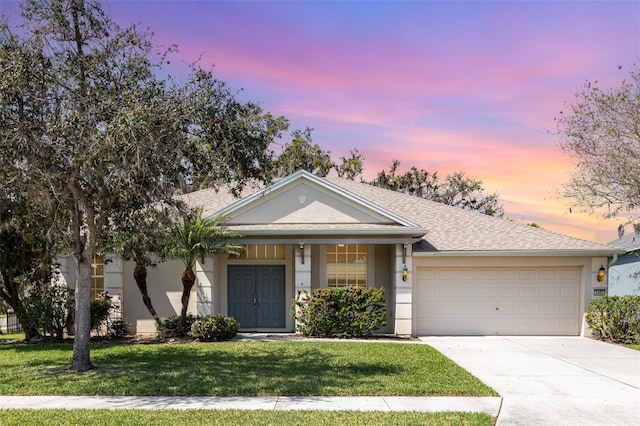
498	301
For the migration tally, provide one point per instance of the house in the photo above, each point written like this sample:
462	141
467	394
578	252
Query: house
445	270
624	270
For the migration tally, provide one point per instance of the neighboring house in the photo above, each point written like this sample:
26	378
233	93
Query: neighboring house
624	270
445	270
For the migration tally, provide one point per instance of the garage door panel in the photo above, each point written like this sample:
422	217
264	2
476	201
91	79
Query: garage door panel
527	291
569	274
455	310
569	292
527	274
569	309
507	291
457	291
456	275
548	309
549	274
502	301
505	275
527	309
549	292
459	327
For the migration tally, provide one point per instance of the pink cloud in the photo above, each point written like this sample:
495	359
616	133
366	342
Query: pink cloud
443	86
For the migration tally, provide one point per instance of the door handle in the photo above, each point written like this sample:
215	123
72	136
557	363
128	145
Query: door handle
255	300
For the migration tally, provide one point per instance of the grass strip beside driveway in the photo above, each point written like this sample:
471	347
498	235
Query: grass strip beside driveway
237	368
238	417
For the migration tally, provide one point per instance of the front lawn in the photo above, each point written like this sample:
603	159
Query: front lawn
5	337
237	368
237	417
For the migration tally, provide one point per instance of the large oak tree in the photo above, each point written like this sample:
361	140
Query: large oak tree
84	114
600	130
28	247
457	189
303	154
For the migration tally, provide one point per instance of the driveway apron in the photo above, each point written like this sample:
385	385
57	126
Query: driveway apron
552	380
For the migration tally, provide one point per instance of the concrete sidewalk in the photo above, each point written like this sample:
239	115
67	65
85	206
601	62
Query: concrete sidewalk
489	405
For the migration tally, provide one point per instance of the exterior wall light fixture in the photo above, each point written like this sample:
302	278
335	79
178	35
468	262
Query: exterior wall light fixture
602	273
405	273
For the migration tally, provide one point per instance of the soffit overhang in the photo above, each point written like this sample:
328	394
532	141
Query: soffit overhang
516	253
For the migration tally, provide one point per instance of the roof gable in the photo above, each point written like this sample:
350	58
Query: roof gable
303	198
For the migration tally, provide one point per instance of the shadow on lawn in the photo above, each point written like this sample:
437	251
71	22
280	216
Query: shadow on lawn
235	369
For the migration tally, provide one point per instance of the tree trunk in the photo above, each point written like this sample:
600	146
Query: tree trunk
188	279
140	275
28	329
9	293
82	340
29	332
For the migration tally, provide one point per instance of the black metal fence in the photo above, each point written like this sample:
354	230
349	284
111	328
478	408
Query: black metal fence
9	323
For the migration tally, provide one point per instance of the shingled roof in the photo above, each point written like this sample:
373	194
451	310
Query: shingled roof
456	229
451	229
629	242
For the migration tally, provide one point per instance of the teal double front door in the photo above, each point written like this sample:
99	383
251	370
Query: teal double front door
256	296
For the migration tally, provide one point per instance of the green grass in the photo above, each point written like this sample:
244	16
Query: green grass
636	347
237	417
4	337
237	368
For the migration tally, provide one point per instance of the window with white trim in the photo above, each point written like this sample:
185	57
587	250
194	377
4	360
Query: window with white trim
346	265
261	251
97	275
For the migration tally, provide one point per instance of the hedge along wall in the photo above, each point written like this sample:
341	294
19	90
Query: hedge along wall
345	312
615	318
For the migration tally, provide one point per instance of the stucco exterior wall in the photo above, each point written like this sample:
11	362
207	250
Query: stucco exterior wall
67	271
165	290
303	203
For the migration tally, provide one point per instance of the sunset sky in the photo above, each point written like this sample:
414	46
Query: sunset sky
445	86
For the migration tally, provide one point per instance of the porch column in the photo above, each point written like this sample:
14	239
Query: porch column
403	291
302	275
204	286
303	268
593	289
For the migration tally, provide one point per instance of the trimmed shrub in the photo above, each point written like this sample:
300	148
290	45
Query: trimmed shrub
169	325
49	309
214	328
117	328
345	312
615	318
100	310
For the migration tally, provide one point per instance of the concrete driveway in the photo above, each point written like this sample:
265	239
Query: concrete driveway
552	380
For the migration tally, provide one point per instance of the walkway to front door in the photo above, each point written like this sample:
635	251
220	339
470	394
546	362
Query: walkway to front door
257	296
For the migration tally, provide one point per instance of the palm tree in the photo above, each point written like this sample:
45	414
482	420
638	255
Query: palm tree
191	240
141	237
